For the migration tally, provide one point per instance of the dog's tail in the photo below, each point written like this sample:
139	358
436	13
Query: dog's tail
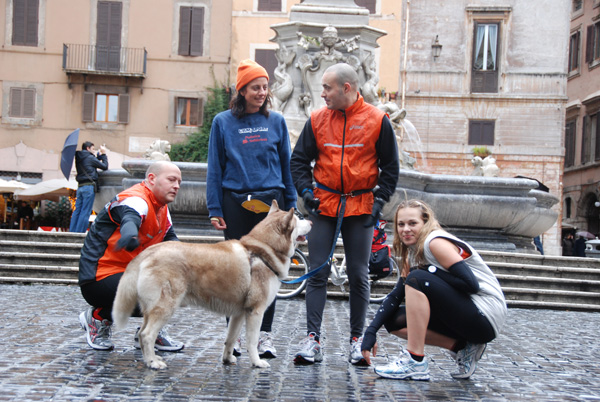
127	295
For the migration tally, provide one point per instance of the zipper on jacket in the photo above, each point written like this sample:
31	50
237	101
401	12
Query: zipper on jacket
343	148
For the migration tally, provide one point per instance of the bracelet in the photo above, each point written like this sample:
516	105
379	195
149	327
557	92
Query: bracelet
214	219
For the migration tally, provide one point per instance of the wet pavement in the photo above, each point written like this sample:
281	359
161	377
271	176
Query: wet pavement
542	355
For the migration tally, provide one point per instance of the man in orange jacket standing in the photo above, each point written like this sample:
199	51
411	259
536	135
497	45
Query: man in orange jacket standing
353	147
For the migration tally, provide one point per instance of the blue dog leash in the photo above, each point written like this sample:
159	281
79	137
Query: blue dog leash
338	228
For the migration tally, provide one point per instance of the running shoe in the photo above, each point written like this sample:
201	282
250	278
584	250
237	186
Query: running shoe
266	349
467	359
356	356
405	368
97	332
310	351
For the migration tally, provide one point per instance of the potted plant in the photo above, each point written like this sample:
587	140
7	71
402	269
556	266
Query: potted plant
482	152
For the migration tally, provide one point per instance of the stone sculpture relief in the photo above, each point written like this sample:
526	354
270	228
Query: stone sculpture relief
283	87
485	167
158	151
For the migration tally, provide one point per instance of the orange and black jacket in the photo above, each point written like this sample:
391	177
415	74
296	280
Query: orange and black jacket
99	259
353	150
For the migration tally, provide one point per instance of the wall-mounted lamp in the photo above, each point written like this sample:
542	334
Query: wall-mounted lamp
436	48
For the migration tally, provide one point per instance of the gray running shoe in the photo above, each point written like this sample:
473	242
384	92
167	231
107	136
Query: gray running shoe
163	342
406	368
356	356
467	359
97	332
266	349
310	351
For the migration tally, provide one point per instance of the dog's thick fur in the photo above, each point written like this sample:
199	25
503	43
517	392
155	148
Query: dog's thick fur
237	278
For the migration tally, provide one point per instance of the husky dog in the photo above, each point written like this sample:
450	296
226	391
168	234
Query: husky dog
236	278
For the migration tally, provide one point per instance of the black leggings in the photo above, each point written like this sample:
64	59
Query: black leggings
101	294
240	222
453	312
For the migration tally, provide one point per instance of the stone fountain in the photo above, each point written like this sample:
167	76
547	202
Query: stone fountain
492	213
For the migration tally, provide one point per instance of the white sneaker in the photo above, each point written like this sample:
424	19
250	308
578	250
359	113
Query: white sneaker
310	351
266	349
467	359
405	368
356	356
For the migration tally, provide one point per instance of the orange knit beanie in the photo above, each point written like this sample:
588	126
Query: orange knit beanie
249	70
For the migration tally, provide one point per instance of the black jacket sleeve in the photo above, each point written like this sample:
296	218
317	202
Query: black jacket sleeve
171	236
389	165
304	153
388	307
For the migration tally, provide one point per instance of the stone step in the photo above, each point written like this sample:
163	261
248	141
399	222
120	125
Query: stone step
552	296
40	247
546	283
536	259
42	259
507	268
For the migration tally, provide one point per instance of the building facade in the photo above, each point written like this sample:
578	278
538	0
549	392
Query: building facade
499	82
126	72
581	193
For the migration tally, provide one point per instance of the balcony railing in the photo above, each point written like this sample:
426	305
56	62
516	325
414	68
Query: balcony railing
104	60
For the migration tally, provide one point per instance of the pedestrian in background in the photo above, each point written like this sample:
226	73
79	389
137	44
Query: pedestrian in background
87	163
249	167
453	299
349	148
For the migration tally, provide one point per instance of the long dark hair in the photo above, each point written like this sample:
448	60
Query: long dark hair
238	105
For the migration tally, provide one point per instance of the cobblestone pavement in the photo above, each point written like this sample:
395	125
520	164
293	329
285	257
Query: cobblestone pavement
541	356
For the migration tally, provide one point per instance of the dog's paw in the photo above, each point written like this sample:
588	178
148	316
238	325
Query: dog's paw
157	364
261	364
231	359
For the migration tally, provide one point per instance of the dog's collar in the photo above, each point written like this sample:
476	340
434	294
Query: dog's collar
264	261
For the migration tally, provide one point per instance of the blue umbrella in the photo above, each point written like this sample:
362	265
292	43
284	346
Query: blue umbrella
68	153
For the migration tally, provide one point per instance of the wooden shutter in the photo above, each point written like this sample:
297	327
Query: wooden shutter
185	22
269	5
22	102
570	144
108	36
28	109
589	44
88	106
597	137
25	22
197	31
123	115
481	132
585	141
369	4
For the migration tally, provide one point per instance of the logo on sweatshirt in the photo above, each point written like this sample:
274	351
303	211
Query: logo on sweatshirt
254	134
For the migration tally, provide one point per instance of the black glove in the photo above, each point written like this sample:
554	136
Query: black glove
369	339
310	202
376	212
129	240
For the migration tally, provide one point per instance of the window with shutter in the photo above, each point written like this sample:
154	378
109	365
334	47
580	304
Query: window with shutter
486	46
191	31
586	141
481	132
574	51
592	48
269	5
595	129
25	22
369	4
22	103
570	131
267	59
189	112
